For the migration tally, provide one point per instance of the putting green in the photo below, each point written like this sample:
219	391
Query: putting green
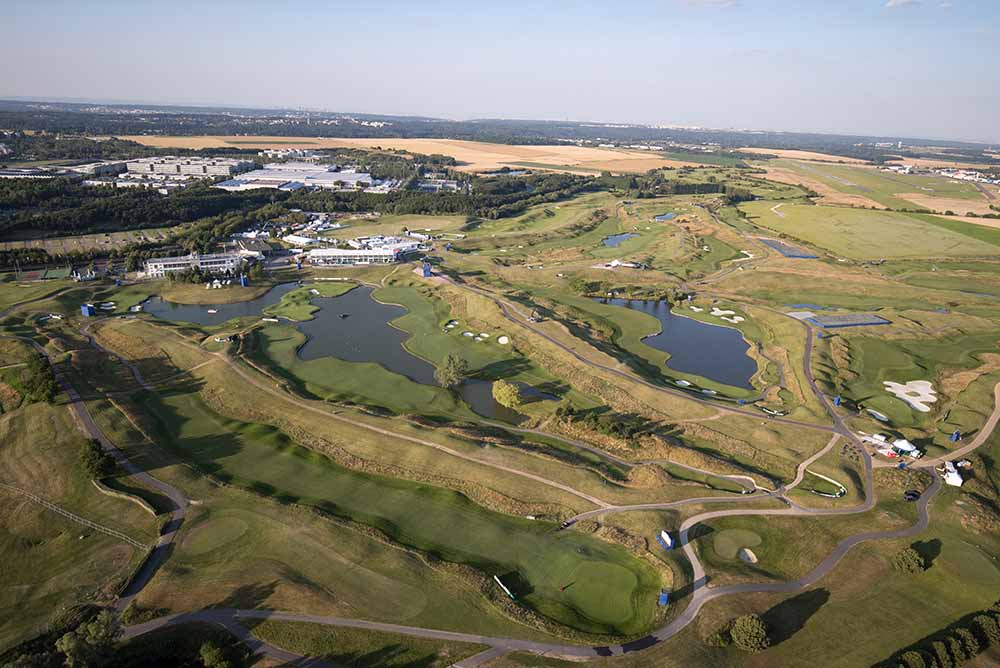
214	534
727	543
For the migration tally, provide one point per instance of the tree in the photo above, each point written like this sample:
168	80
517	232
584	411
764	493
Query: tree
38	379
912	659
213	656
506	394
452	371
749	633
969	642
91	642
956	650
941	654
95	461
987	630
908	560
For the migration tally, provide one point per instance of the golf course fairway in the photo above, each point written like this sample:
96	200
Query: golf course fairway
612	592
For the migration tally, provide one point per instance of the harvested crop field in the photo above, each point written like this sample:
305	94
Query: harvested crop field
827	195
934	162
804	155
474	156
941	204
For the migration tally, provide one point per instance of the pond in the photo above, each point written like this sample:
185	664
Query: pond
356	328
711	351
616	240
199	313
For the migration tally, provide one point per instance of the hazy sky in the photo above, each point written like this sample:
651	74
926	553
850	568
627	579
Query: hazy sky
903	67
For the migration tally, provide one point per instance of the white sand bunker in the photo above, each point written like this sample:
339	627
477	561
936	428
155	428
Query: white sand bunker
747	555
727	315
696	309
917	393
503	340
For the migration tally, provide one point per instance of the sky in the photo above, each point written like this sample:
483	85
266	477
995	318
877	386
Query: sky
926	68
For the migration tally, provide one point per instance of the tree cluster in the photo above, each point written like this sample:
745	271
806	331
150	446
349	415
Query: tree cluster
38	381
954	646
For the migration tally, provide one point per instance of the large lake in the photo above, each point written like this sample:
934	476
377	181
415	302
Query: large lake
711	351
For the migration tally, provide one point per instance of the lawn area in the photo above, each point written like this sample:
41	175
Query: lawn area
357	648
51	562
862	234
12	292
615	591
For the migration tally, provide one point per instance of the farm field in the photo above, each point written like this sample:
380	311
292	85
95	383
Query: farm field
792	154
890	190
870	235
472	156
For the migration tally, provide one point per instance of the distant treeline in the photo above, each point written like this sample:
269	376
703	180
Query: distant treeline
119	120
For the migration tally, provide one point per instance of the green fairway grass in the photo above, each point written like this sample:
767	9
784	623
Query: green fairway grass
437	521
863	234
359	648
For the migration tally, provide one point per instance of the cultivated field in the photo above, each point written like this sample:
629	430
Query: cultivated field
473	156
868	186
804	155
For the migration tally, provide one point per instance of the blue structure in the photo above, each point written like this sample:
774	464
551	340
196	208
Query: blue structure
88	310
663	543
244	281
664	598
427	269
848	320
836	400
955	436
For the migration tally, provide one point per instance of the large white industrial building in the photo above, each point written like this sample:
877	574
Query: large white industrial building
193	167
214	264
366	250
296	175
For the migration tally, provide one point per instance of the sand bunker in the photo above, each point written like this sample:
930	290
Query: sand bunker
747	555
917	393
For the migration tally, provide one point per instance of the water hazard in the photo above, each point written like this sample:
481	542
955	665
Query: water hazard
710	351
616	240
353	327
